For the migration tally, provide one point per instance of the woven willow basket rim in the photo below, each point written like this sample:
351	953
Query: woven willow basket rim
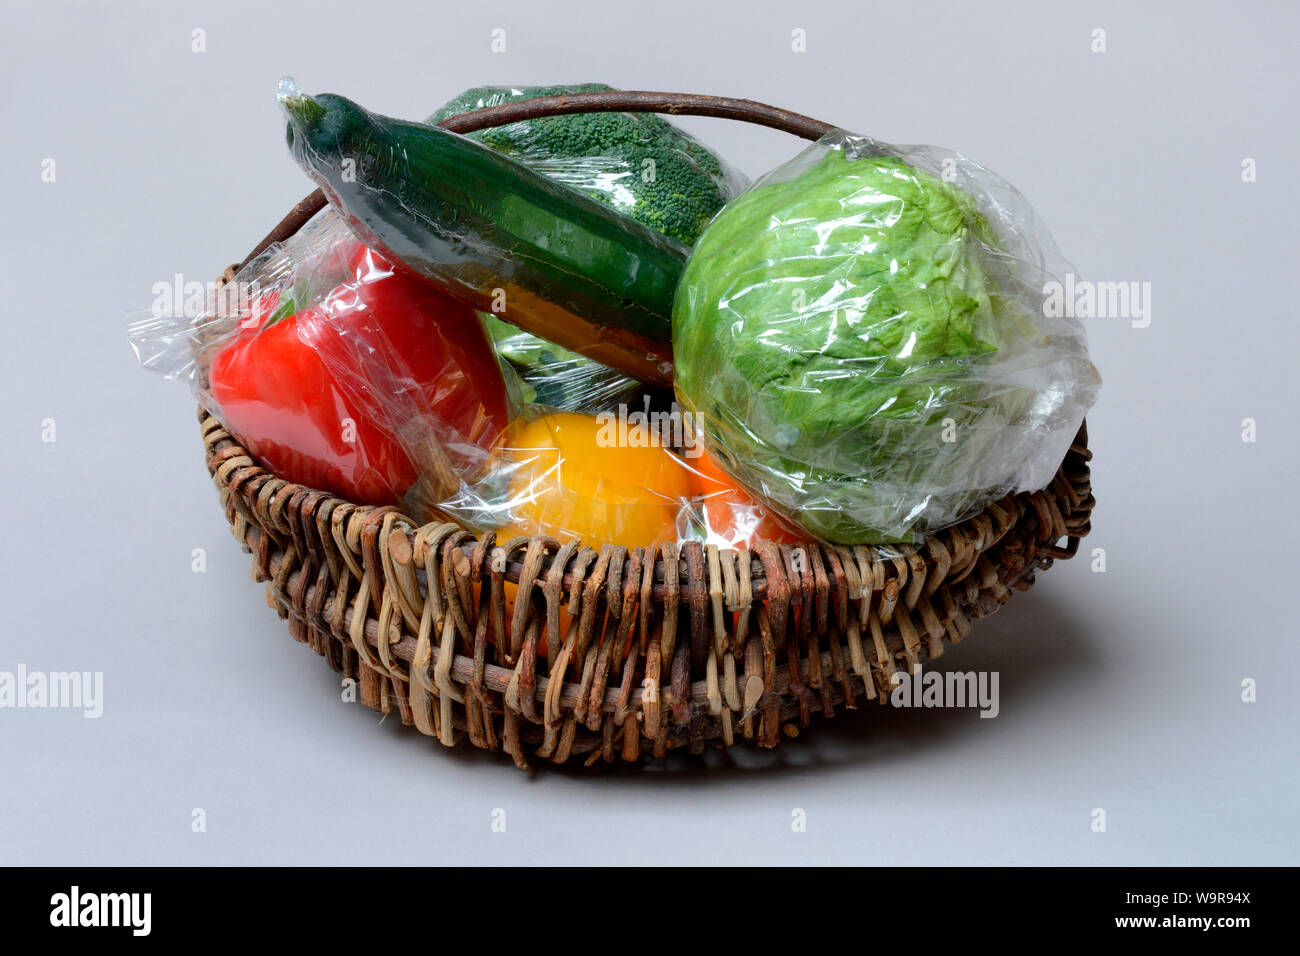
654	648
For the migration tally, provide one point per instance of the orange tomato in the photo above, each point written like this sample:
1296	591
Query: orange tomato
732	516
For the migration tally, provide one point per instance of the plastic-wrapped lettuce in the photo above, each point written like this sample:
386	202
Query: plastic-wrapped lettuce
863	342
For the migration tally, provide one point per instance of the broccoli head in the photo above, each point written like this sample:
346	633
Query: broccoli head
638	163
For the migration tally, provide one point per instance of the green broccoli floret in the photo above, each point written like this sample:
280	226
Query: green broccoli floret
637	163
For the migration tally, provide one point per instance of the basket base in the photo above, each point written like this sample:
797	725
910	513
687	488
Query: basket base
619	655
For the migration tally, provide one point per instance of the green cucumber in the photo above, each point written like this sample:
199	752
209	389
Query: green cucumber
494	233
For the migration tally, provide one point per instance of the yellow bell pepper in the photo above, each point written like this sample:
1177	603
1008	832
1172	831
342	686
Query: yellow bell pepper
567	483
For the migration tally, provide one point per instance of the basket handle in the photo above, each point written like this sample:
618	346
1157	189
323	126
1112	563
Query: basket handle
597	101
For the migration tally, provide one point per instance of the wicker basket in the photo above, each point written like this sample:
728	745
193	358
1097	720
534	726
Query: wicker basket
665	647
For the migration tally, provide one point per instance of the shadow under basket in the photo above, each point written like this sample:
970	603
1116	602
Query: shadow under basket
607	653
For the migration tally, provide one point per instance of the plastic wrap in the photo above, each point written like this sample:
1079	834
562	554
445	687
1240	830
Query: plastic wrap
339	374
494	233
557	378
723	513
862	341
573	477
639	163
635	478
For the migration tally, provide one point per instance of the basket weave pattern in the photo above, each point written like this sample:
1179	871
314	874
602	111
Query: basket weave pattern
645	650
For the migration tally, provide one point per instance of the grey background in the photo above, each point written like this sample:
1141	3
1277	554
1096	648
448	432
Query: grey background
1119	690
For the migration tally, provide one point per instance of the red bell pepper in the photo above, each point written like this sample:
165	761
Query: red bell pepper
356	393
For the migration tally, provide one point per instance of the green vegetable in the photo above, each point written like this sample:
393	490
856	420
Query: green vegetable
637	163
556	377
484	227
830	331
603	155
